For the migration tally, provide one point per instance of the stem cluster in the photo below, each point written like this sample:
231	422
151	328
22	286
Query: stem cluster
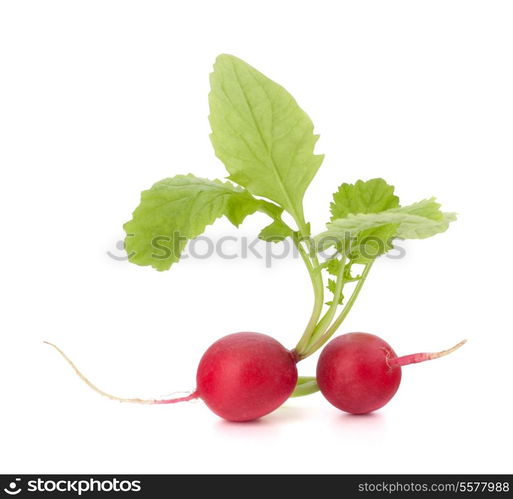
321	327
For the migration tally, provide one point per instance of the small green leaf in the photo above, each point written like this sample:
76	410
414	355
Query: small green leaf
371	196
417	221
177	209
275	232
263	137
332	284
333	266
371	243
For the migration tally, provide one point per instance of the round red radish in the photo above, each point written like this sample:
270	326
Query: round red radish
245	376
359	372
355	375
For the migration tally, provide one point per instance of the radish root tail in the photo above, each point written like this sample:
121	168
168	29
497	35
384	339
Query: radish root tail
421	357
192	396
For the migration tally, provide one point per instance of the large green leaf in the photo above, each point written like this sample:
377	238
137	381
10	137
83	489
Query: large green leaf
263	137
177	209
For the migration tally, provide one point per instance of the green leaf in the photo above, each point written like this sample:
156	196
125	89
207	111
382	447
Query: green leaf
371	243
417	221
371	196
275	232
263	137
333	268
332	284
177	209
427	208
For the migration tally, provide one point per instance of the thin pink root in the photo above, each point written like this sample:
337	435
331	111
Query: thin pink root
193	395
421	357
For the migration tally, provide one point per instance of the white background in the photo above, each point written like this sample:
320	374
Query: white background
100	99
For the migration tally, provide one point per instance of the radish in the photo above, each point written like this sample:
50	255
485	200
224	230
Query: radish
241	377
244	376
359	372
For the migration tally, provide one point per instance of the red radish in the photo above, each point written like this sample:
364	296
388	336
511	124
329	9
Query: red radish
241	377
244	376
359	372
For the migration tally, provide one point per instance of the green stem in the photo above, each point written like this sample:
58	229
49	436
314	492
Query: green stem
331	330
312	265
318	288
330	313
306	385
304	256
